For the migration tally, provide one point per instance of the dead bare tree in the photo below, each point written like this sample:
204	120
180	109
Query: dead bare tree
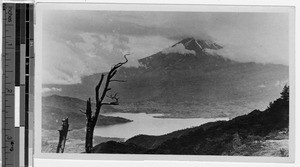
63	132
91	119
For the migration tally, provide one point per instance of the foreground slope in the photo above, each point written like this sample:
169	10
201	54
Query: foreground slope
243	135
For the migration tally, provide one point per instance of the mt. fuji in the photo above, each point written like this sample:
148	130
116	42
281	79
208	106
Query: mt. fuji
188	79
187	54
198	45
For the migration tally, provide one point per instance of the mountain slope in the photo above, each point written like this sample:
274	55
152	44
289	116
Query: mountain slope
242	135
151	142
187	80
188	55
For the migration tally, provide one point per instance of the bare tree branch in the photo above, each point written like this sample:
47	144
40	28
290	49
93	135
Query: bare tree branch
82	112
116	80
97	88
122	63
113	97
110	104
92	119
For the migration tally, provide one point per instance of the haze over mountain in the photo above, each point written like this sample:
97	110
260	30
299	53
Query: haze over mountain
189	79
85	45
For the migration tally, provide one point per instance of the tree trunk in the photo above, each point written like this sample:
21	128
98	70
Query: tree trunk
90	126
91	120
89	137
63	132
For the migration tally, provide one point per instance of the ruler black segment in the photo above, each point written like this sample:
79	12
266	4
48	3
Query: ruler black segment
27	84
26	104
27	51
17	36
27	12
27	65
17	46
23	23
27	23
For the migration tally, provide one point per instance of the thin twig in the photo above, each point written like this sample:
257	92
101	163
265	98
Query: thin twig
82	112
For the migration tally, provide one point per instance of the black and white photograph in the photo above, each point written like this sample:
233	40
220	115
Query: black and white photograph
165	82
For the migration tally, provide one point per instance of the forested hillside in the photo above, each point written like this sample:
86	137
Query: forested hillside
243	135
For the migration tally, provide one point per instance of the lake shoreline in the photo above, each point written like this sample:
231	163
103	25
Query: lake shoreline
76	142
149	124
170	115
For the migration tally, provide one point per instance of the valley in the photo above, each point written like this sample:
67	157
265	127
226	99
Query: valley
215	106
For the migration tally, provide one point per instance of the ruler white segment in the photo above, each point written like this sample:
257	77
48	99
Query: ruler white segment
17	106
22	146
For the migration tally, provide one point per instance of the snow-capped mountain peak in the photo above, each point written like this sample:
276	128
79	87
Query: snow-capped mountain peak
198	45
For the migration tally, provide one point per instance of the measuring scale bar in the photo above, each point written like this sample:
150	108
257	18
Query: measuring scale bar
8	78
17	91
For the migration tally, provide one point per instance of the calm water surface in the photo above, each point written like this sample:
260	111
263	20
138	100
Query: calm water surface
146	124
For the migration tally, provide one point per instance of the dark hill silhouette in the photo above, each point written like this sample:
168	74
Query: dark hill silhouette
216	138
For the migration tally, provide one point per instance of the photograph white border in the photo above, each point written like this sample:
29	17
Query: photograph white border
40	7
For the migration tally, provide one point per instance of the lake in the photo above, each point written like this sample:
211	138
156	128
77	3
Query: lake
147	124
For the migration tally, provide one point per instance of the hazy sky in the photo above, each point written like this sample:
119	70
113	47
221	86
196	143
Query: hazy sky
80	43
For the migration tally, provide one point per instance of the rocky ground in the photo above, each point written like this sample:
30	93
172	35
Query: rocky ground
74	144
277	144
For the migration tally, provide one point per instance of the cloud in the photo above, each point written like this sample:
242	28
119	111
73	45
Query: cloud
66	62
179	48
53	89
171	25
212	51
81	43
146	46
281	83
251	53
259	37
262	86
